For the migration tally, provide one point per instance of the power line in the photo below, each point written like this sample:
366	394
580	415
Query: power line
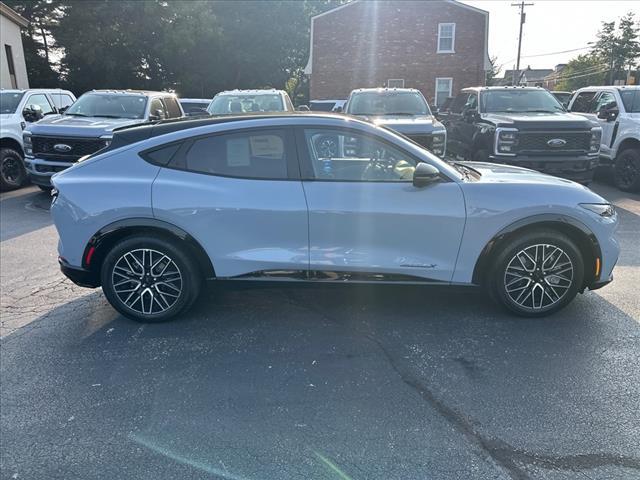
548	54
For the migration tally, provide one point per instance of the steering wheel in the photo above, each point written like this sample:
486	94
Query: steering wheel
327	146
380	167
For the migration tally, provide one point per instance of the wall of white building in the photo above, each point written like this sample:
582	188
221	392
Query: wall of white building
10	35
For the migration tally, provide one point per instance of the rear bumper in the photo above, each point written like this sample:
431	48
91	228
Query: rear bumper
79	276
579	169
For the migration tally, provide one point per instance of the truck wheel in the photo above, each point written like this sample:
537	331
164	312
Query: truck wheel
626	171
12	172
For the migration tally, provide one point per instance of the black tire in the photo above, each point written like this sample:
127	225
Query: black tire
480	155
12	172
626	170
45	189
551	290
148	309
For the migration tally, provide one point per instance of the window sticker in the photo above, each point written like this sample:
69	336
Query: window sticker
238	152
266	146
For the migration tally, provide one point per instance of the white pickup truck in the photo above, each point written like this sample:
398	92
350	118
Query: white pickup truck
617	111
18	108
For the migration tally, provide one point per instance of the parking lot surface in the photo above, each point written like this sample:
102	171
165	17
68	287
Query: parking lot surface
313	382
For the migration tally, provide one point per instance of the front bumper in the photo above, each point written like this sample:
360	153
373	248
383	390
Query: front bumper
579	169
79	276
40	171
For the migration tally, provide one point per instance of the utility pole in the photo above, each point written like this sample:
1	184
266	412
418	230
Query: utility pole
521	5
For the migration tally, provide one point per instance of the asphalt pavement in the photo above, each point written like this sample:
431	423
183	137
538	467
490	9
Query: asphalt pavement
312	381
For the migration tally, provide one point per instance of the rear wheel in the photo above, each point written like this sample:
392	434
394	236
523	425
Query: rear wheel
12	172
626	170
150	279
537	273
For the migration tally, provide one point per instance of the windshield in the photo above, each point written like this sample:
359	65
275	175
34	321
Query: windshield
244	103
519	101
631	100
388	103
110	106
9	101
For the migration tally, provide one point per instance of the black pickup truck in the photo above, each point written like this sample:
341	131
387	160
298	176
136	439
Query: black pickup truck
522	126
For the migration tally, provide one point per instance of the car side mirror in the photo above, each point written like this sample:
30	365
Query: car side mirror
303	108
158	114
425	174
469	114
32	113
608	114
337	109
63	109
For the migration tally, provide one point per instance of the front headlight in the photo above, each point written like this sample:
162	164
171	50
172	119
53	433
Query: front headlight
506	141
594	144
27	145
438	141
605	210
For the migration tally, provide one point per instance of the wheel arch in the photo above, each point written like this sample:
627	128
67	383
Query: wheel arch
579	233
105	238
627	143
9	142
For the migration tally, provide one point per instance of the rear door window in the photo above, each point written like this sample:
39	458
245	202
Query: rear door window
172	107
259	154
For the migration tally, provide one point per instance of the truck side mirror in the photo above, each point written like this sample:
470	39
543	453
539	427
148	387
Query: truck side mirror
608	114
337	109
32	113
156	115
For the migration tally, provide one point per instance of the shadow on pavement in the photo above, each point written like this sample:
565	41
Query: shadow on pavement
329	381
23	212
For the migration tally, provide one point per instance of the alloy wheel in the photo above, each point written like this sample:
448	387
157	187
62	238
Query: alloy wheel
147	281
11	170
538	276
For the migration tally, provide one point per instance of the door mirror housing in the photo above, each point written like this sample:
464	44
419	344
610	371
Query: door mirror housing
425	174
608	114
32	113
156	115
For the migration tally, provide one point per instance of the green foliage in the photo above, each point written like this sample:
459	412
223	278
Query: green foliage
493	71
582	71
194	47
618	48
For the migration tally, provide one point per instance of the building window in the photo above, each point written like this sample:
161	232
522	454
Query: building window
12	68
446	37
395	83
443	89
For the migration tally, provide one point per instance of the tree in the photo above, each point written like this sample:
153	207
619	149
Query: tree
618	48
582	71
493	71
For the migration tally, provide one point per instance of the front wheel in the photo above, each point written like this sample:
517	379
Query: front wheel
12	172
626	170
537	273
149	279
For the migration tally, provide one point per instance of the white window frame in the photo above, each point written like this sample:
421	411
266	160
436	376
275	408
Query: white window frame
400	80
435	90
453	37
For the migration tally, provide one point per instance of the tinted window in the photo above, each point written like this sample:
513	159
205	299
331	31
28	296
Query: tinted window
631	100
321	106
256	154
156	104
9	101
194	108
172	107
583	103
352	156
42	101
108	105
61	100
162	155
605	101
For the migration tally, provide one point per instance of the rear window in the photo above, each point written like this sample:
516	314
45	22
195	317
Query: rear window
246	103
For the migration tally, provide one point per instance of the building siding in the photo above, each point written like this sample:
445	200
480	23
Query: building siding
367	43
10	35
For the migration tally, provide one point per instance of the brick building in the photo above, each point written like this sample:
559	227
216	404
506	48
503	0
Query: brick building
437	47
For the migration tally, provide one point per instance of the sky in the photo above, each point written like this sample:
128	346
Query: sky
551	26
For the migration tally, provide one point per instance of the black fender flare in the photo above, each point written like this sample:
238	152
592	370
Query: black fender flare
586	239
112	232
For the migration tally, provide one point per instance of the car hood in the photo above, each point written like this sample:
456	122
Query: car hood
67	125
536	120
405	124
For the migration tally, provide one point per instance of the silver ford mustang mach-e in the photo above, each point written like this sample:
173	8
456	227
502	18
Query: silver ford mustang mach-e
169	205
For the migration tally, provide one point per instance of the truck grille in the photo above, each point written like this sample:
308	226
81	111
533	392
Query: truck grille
538	142
44	147
424	140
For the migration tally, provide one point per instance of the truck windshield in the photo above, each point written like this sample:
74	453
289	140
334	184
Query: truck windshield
388	103
232	104
631	100
109	106
519	101
9	101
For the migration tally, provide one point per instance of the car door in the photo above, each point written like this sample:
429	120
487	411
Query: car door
606	102
366	219
238	193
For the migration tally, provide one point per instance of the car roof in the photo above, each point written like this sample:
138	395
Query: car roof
36	90
145	93
383	90
257	91
136	133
